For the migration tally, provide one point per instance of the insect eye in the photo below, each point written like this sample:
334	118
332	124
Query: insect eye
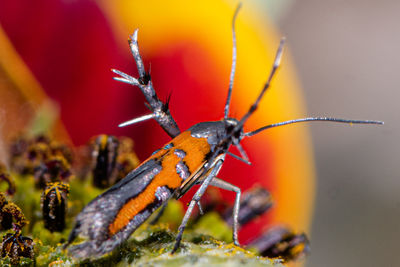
229	128
238	134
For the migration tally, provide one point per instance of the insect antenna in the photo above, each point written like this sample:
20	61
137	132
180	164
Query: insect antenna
233	68
312	119
266	86
254	107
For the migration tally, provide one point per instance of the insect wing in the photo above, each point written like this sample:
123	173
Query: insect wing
111	218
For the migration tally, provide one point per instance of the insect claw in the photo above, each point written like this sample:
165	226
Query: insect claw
125	78
134	36
120	73
122	80
200	208
133	44
178	240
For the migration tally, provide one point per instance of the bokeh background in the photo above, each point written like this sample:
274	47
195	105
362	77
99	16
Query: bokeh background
345	56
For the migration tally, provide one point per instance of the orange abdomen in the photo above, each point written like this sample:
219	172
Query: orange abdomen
180	159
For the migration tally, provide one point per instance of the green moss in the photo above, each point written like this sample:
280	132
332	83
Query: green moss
81	193
27	197
203	243
211	224
155	248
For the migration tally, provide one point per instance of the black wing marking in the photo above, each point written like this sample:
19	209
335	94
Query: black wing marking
94	220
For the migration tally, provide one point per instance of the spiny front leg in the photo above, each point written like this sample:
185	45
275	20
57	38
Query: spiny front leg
160	111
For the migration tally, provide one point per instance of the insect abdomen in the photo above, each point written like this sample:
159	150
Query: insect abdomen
112	217
96	218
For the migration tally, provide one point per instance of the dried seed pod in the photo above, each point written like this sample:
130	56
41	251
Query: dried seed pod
280	242
29	154
125	145
104	155
34	155
56	168
17	148
126	162
4	176
54	206
111	159
11	185
17	215
61	150
15	246
254	202
5	218
11	215
42	138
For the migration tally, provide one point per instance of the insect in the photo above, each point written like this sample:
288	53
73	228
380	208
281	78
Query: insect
194	156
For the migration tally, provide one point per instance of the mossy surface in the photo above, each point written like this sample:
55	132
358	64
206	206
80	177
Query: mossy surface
152	247
205	243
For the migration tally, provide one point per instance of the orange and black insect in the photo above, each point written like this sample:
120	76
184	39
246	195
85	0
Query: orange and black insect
194	156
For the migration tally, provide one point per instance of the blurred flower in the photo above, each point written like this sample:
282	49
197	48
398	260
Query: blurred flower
69	47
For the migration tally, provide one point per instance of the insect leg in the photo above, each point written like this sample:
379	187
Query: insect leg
164	206
159	109
227	186
196	198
